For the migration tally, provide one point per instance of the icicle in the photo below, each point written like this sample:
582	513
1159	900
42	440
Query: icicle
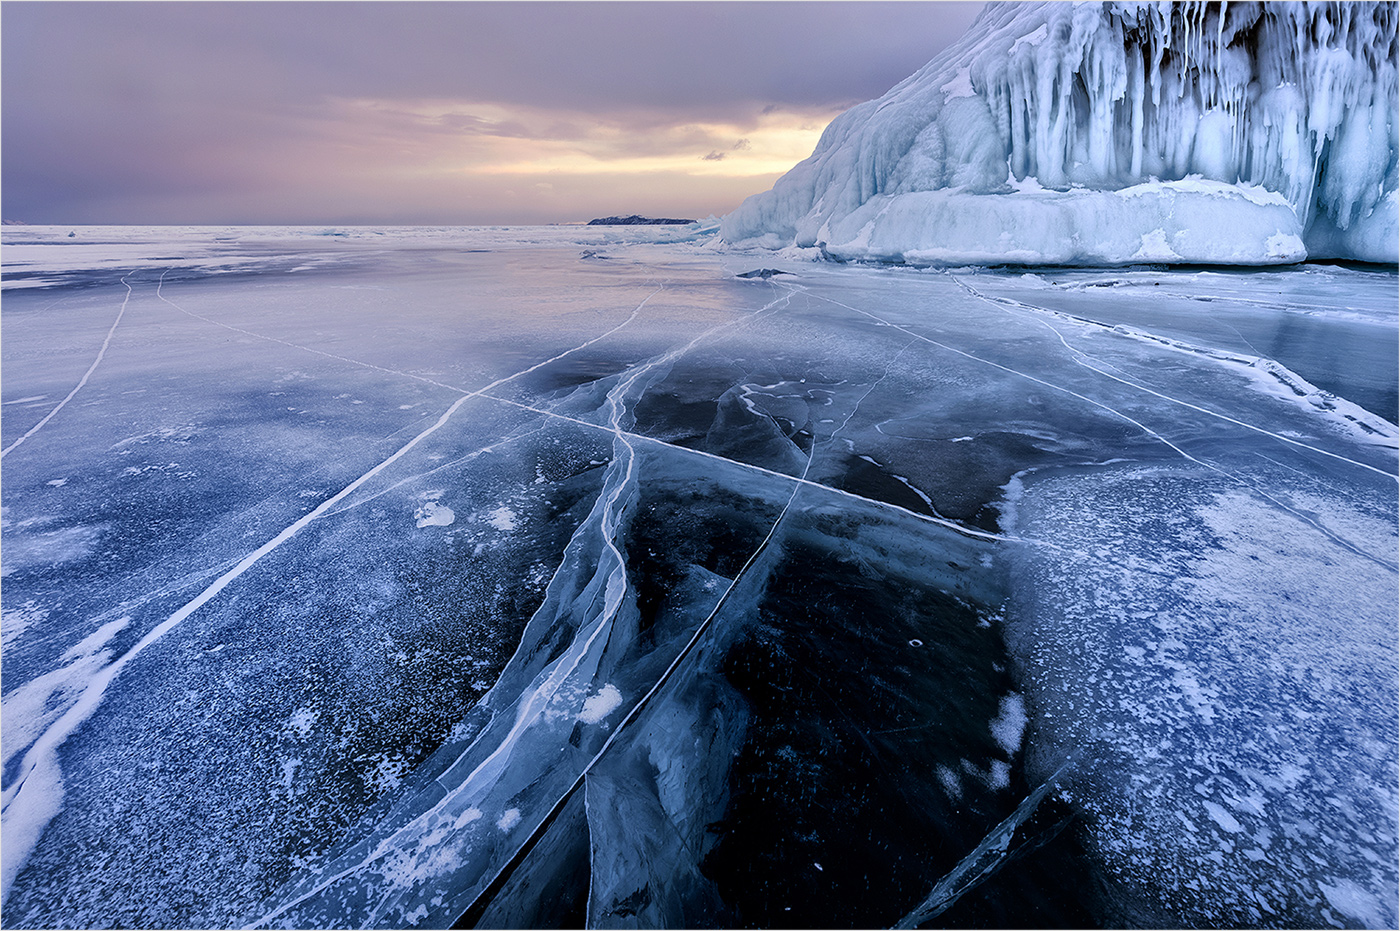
1219	35
1111	95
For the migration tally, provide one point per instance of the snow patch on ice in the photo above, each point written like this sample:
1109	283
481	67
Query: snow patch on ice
503	519
601	704
959	86
1031	38
15	621
1155	248
26	546
27	711
509	820
1352	900
1222	817
303	720
43	800
1009	726
434	514
95	641
30	708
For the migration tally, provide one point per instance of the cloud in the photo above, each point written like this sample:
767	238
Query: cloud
191	112
458	136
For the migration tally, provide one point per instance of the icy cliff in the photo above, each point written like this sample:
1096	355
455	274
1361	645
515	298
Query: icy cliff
1113	133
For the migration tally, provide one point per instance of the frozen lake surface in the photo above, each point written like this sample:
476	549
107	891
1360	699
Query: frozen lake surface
521	577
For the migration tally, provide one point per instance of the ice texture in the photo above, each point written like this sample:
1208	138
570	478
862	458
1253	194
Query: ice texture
1110	134
467	577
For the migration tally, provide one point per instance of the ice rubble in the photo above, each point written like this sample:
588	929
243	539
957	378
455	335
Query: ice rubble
1114	133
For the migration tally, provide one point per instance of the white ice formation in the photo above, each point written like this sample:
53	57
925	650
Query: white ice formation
1111	133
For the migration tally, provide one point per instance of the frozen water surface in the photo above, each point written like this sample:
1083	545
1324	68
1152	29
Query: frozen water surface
520	577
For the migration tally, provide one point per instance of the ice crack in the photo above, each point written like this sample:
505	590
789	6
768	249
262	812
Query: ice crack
81	382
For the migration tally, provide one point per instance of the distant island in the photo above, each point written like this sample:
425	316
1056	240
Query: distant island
635	220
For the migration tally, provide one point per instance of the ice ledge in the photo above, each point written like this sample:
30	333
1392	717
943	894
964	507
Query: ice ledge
1191	221
1293	98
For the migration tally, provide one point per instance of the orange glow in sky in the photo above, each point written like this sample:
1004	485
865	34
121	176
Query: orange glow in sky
430	112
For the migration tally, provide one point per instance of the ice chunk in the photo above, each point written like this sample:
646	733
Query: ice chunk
434	514
1006	146
1183	221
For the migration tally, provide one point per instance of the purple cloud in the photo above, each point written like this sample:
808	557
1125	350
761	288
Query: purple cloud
210	112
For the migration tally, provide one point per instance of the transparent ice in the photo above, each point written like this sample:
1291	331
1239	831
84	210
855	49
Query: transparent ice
393	578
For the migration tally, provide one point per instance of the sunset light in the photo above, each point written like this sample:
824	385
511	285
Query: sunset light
625	465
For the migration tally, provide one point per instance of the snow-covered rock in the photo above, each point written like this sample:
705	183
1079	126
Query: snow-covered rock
1112	133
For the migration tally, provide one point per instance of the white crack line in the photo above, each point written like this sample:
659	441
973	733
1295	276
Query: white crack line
82	381
30	803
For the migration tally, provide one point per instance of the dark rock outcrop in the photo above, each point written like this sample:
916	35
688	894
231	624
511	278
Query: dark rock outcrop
635	220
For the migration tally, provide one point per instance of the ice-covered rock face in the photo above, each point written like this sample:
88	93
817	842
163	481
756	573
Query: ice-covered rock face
1112	133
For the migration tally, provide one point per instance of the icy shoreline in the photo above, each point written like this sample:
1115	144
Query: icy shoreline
1103	134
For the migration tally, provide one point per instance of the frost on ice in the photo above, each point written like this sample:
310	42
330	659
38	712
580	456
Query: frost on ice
778	600
1113	133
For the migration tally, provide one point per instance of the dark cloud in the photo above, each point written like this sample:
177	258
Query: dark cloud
742	145
713	157
179	108
570	54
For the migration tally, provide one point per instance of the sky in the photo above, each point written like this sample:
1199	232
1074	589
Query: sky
438	113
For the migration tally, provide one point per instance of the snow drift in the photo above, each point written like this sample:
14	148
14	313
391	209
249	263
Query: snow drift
1112	133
